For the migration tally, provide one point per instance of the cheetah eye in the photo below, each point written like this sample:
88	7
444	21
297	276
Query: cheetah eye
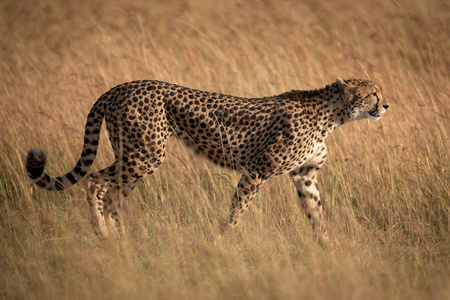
375	95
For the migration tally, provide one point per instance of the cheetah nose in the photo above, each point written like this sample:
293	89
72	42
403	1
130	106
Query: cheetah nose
385	106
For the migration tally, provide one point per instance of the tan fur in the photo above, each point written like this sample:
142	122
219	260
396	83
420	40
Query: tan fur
262	137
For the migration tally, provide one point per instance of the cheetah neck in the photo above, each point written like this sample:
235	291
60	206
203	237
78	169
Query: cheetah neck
329	107
338	113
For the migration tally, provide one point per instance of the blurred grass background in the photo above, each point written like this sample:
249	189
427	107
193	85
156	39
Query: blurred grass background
385	184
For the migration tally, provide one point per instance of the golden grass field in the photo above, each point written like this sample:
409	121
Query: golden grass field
385	184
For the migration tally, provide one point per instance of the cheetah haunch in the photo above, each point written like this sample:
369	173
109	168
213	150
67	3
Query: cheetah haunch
262	137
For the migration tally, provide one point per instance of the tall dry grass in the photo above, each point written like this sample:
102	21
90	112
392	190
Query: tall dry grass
385	184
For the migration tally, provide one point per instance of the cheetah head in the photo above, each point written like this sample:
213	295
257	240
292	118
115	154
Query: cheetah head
362	98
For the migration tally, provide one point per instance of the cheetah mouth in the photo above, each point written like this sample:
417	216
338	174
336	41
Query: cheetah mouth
373	114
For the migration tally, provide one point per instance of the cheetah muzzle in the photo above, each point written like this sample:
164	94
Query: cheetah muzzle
261	137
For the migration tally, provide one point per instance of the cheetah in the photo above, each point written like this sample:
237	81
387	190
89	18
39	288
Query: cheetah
261	137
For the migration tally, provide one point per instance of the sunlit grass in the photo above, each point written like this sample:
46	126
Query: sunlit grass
385	184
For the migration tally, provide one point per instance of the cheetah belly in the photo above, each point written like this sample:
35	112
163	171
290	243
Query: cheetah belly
215	149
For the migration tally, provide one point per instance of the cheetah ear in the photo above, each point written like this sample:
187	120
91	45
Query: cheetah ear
341	82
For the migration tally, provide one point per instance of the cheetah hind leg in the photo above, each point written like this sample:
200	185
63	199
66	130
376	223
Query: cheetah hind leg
114	198
103	200
110	210
96	191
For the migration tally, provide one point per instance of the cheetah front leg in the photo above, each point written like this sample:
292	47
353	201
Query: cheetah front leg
246	190
305	181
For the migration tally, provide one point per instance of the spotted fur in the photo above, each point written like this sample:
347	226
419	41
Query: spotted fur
262	137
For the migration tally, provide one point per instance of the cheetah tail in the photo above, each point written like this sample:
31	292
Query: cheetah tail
36	158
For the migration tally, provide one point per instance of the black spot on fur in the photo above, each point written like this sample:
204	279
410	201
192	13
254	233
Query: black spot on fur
71	178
